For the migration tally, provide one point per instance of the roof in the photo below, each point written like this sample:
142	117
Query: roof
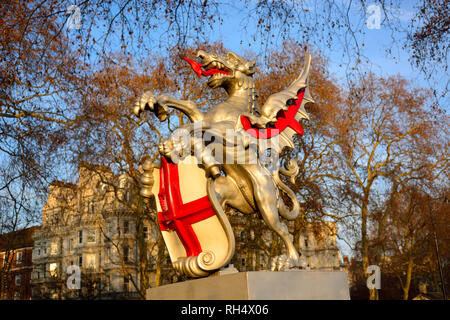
17	239
62	184
94	166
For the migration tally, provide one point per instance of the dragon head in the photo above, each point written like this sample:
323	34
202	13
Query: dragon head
224	71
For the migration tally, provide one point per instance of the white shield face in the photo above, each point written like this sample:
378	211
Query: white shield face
188	221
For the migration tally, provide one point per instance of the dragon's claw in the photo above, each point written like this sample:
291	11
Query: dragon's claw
284	263
145	102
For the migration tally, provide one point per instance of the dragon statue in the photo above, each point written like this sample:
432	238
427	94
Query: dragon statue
193	188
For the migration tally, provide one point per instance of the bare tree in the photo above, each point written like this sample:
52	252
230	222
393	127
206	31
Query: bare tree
386	131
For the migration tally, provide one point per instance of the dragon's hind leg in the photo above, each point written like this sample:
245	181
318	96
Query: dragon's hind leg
230	195
265	194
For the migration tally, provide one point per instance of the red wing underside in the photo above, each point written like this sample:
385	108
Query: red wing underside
284	119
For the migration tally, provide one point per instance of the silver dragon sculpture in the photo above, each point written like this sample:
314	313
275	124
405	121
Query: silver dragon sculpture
247	187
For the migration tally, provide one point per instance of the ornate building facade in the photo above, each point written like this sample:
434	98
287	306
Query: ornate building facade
89	234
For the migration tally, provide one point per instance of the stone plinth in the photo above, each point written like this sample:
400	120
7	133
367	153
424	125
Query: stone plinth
259	285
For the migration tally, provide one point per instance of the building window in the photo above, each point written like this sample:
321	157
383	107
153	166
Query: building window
108	282
91	236
111	228
306	242
54	248
70	244
80	261
38	275
126	284
80	236
108	254
53	270
145	231
90	261
261	261
90	206
126	226
19	256
243	262
18	280
126	250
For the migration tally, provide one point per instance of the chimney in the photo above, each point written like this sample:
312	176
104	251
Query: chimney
346	262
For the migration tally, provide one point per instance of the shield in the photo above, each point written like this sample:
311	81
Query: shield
195	229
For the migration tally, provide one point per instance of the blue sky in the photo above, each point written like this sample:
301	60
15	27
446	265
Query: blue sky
237	30
376	43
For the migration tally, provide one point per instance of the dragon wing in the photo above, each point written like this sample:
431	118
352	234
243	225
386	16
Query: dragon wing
280	114
278	101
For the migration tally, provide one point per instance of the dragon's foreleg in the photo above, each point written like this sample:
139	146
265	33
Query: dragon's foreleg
217	147
159	105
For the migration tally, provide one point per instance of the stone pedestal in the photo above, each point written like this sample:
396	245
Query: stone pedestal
259	285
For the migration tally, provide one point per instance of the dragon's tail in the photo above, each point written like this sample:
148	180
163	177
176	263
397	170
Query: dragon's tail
290	171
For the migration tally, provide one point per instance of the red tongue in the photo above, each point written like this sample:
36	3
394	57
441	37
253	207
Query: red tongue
197	67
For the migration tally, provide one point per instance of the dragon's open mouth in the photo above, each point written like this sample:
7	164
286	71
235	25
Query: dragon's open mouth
215	69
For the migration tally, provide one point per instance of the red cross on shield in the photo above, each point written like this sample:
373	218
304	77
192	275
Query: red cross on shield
188	220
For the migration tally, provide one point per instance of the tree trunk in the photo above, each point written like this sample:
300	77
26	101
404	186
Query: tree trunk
160	260
143	262
2	285
408	277
297	234
364	238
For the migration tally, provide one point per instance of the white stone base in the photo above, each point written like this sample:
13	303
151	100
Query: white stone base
259	285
